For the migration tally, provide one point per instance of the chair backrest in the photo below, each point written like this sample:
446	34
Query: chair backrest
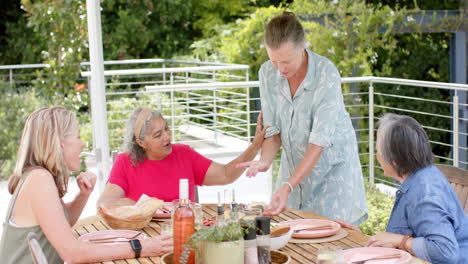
458	178
36	251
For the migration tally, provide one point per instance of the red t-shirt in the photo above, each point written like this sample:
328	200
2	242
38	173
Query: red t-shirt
160	178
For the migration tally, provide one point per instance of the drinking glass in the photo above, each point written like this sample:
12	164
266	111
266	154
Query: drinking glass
197	210
166	227
175	204
228	197
330	256
249	214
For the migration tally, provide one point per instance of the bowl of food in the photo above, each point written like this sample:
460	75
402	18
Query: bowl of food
280	235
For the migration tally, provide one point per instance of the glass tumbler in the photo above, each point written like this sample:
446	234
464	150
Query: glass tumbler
166	227
198	211
330	256
249	214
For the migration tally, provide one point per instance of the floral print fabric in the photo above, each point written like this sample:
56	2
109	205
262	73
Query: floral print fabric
316	115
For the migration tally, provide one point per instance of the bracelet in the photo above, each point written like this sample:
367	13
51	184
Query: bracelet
290	186
403	241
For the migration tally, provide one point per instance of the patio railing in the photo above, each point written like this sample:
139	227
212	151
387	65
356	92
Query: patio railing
208	104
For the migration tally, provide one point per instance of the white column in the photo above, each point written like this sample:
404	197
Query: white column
98	92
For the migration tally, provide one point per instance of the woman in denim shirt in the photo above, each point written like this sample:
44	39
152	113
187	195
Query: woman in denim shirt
427	219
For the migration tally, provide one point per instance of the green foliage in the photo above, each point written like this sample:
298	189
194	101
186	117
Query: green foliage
379	206
146	29
419	4
349	41
62	25
239	42
14	110
231	232
213	13
420	57
20	45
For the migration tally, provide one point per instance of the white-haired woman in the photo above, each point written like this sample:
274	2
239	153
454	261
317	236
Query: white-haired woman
49	150
152	165
427	219
302	102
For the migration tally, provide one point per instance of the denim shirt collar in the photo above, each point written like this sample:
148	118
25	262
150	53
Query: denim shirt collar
404	187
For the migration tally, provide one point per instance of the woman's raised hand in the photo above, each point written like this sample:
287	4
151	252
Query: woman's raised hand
258	165
86	182
157	246
260	131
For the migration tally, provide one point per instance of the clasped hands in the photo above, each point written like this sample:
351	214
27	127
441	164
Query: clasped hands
382	239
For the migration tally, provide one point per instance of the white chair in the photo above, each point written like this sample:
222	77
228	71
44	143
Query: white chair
36	251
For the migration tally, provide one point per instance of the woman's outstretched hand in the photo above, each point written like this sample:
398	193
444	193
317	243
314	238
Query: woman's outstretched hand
254	167
279	201
258	165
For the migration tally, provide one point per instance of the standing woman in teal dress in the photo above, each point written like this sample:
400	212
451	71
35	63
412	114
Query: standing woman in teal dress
302	103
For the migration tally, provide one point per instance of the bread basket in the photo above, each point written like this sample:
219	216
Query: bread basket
136	222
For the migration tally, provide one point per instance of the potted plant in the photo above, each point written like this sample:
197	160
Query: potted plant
218	244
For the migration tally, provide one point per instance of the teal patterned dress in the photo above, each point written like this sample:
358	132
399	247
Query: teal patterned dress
316	115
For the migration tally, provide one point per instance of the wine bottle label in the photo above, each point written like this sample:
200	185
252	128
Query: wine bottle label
183	189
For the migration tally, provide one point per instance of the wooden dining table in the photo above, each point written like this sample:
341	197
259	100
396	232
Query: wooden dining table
299	253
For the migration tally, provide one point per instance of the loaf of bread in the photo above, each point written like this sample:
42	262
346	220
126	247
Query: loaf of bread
145	206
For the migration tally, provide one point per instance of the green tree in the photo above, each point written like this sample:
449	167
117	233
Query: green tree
62	25
14	109
146	29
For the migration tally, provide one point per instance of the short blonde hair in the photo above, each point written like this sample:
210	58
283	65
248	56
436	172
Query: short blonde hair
40	145
283	28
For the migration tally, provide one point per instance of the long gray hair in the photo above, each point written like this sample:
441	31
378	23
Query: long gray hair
403	144
136	152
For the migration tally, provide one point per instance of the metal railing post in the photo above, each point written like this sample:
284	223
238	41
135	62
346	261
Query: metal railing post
371	133
164	73
187	97
173	128
248	106
247	94
456	129
11	80
215	117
